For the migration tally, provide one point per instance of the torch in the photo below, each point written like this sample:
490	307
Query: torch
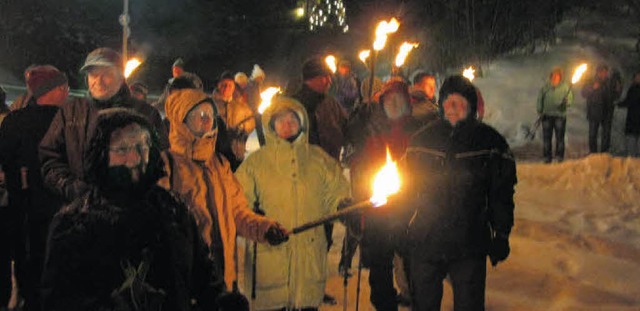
131	66
266	97
405	49
577	74
363	55
469	73
331	62
383	30
385	184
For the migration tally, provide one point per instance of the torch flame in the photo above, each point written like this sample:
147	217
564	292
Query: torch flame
364	55
386	182
578	73
405	48
266	97
331	62
382	31
131	65
468	73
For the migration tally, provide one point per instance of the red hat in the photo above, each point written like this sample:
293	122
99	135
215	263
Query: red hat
43	79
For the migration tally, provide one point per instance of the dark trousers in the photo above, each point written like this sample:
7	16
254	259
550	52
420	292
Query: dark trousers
605	135
467	277
11	249
378	248
31	288
349	246
551	124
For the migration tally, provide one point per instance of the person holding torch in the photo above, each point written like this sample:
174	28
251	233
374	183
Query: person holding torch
294	182
553	100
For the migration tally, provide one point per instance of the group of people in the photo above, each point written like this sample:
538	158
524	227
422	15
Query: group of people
113	207
601	93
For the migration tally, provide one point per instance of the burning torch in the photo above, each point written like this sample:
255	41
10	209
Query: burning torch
383	30
331	62
266	97
404	51
469	73
131	66
577	74
386	183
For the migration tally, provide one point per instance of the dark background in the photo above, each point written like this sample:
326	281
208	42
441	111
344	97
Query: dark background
216	35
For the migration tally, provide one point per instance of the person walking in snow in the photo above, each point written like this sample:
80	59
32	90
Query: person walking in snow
553	100
600	93
424	105
294	183
459	177
632	125
346	86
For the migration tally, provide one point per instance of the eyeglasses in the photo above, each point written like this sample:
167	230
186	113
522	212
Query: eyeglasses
124	150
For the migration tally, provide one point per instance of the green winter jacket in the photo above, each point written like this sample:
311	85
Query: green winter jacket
550	100
294	183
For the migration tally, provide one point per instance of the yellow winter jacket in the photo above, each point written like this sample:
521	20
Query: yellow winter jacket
294	183
205	181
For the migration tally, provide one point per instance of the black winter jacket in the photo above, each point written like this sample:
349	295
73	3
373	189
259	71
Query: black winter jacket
109	254
20	134
460	181
632	102
63	150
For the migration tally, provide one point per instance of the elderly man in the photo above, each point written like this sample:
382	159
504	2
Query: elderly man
127	244
459	180
64	148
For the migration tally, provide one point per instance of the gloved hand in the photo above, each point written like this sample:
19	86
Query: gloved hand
233	301
499	249
276	234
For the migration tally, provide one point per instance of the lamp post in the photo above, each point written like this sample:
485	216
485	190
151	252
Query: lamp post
124	21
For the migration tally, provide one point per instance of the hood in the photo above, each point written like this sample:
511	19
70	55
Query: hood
278	104
182	141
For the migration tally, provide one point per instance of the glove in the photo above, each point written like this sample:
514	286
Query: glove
233	301
276	234
499	249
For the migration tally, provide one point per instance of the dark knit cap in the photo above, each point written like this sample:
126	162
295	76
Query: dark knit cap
395	86
178	63
139	87
226	75
43	79
314	67
104	57
464	87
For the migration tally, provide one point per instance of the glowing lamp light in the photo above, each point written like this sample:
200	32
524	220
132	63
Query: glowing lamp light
131	66
383	29
469	73
405	49
266	97
578	73
364	55
331	62
386	182
300	12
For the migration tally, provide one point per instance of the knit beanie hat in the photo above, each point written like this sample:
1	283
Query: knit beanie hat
43	79
464	87
314	67
395	86
226	75
104	57
178	63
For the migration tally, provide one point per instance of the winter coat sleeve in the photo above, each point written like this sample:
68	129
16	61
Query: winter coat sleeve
540	101
501	188
336	185
248	223
7	139
56	172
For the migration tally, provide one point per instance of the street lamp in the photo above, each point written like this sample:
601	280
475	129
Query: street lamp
124	21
